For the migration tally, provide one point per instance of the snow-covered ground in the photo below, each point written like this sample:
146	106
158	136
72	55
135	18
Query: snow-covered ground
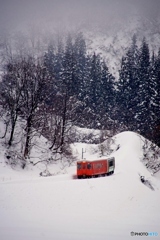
62	208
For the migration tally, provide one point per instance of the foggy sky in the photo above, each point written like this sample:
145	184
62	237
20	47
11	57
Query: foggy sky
18	14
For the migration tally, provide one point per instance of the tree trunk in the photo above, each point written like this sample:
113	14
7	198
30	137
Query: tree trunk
28	130
63	124
12	130
7	123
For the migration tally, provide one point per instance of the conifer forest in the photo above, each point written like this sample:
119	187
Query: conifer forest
66	85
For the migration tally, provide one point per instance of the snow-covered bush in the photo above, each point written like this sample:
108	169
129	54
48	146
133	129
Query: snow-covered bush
151	156
14	159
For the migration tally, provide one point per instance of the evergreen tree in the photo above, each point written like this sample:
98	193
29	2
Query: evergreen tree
49	59
80	68
126	97
144	90
127	87
122	93
59	57
92	91
95	80
155	103
69	69
106	101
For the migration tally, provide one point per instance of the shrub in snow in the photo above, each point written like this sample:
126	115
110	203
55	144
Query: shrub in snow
108	146
45	173
13	158
151	156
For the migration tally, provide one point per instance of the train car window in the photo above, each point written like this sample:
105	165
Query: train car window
110	163
89	166
79	166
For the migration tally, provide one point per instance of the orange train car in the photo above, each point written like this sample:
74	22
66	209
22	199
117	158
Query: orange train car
88	169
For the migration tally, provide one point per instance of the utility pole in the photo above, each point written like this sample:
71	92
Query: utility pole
83	151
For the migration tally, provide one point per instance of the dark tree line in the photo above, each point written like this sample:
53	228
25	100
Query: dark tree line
131	103
138	91
84	77
68	86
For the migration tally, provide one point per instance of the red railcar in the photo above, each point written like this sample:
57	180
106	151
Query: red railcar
88	169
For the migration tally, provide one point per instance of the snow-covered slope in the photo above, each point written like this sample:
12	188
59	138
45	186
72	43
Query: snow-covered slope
60	207
112	39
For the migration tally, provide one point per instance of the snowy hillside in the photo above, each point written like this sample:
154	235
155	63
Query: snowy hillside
60	207
112	40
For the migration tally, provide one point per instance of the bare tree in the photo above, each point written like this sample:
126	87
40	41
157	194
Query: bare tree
35	92
11	88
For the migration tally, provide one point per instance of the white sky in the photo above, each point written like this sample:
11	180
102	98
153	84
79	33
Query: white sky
19	13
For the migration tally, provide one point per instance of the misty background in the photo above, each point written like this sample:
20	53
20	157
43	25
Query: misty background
72	14
107	25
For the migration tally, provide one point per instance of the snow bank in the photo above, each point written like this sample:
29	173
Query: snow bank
59	207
